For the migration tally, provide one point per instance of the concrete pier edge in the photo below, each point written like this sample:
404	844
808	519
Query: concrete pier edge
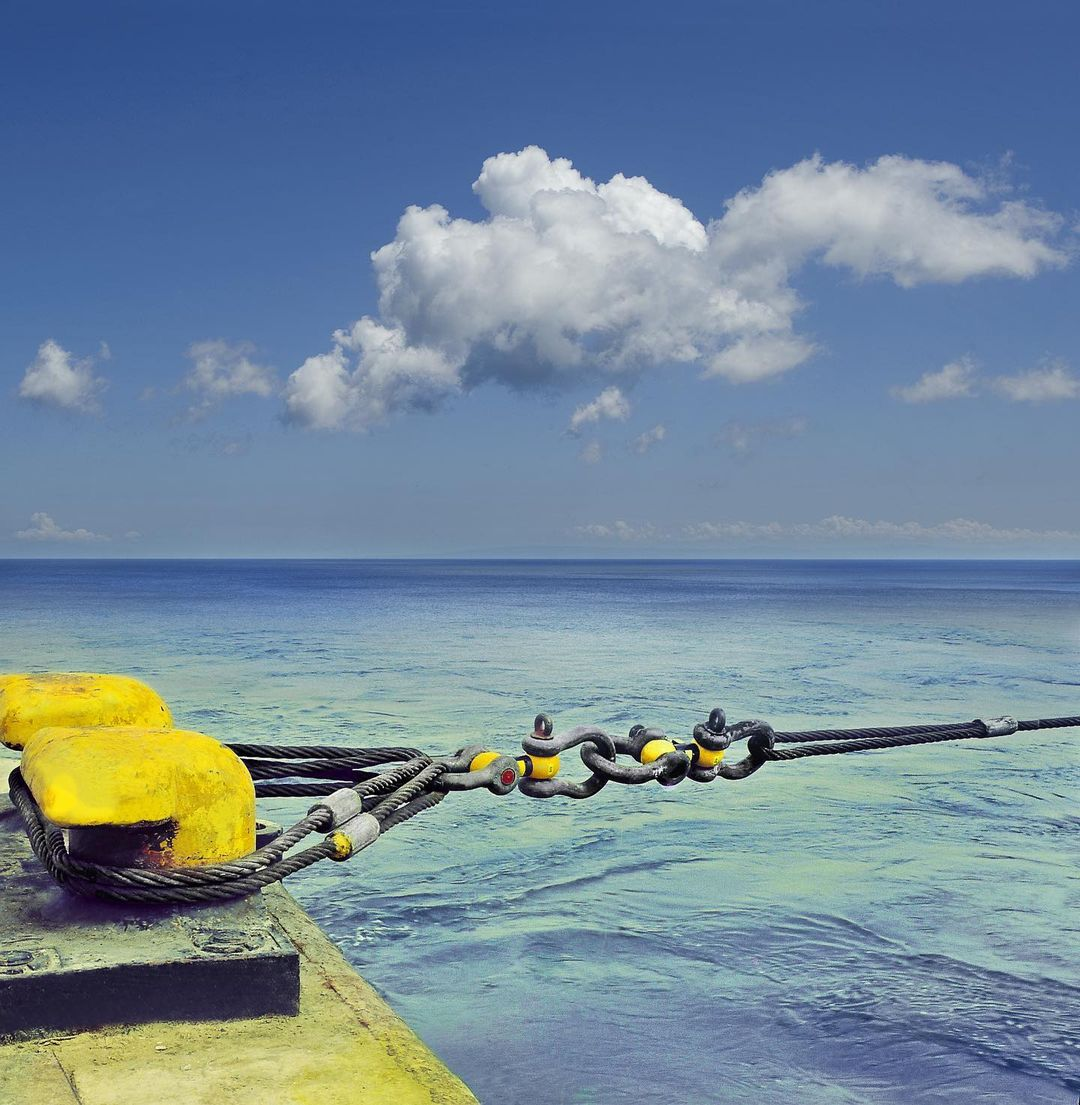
345	1043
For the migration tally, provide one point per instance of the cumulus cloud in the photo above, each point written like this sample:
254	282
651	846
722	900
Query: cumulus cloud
221	370
956	380
610	403
644	442
742	438
566	279
592	453
914	221
43	528
1040	385
371	371
55	378
760	355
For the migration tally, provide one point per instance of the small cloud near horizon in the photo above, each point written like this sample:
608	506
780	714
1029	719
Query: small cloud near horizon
836	527
43	528
619	530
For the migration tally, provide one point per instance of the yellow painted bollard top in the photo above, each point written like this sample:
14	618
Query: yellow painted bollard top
177	798
32	702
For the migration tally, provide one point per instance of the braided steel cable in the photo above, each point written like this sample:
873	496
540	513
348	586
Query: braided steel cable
407	792
55	856
396	796
761	740
291	790
814	735
411	809
870	743
1047	723
808	735
290	771
334	770
413	782
368	757
867	740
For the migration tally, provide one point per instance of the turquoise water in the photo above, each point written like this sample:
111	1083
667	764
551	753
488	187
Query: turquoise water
888	928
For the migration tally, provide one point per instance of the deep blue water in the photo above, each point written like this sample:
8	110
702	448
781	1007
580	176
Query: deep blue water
889	927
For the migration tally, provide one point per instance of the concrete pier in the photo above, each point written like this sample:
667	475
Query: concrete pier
344	1044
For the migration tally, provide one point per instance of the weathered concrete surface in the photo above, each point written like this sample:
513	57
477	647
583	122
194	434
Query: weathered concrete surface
68	964
346	1044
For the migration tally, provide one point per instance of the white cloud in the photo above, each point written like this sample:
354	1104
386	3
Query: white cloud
839	527
836	528
644	442
1040	385
56	379
620	531
325	393
224	369
610	403
956	380
914	221
743	437
566	279
759	355
43	528
592	453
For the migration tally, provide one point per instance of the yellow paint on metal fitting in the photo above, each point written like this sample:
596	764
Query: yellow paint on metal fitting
543	767
159	797
482	759
342	845
32	702
708	757
654	750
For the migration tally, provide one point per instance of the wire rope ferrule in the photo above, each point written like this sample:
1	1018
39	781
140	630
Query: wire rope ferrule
354	836
342	805
998	726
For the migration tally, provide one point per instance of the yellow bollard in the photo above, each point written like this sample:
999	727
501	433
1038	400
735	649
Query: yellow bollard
141	796
32	702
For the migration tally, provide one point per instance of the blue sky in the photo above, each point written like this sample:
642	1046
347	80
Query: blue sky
737	279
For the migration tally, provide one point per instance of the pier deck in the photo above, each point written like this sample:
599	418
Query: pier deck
345	1044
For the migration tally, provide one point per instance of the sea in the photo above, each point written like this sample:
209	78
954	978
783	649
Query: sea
888	927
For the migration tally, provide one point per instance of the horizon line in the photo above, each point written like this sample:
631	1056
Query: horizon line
544	559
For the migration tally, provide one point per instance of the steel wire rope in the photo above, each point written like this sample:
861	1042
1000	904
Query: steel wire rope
412	782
